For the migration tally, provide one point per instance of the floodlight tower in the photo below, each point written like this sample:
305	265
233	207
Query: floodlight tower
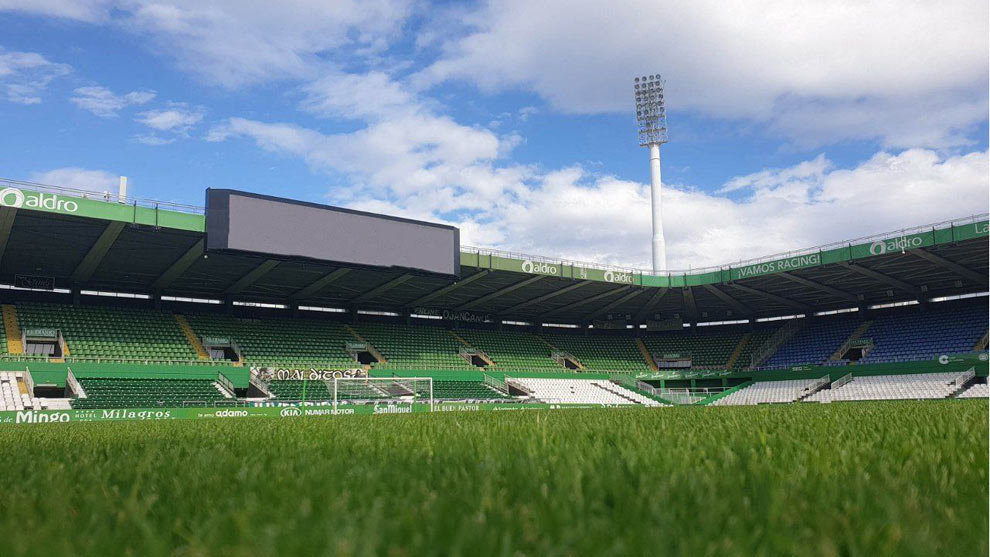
652	119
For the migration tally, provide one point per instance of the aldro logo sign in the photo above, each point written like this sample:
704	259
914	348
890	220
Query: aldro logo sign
897	244
541	268
620	277
15	198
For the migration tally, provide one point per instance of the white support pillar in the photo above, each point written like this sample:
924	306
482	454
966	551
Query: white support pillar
659	246
122	190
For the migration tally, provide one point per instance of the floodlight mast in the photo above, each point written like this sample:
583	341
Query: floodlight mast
651	115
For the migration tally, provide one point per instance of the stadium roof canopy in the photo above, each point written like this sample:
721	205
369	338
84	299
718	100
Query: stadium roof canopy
158	248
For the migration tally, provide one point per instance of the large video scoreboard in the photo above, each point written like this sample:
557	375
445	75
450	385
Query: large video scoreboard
251	223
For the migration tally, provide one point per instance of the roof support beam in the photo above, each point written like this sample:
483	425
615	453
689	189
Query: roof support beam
318	285
449	288
779	299
819	286
381	289
886	279
740	308
690	306
547	296
97	252
251	277
583	301
649	305
614	303
7	215
500	292
964	272
176	269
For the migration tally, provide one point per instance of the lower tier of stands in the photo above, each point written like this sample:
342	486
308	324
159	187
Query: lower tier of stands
916	386
892	387
582	391
109	392
320	390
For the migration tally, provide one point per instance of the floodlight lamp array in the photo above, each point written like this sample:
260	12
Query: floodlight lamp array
651	115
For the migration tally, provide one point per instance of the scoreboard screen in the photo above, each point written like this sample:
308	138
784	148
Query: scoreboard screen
251	223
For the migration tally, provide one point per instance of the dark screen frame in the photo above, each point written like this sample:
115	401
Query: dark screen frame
218	229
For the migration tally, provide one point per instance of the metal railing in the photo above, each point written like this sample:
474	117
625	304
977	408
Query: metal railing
107	196
779	337
740	263
842	381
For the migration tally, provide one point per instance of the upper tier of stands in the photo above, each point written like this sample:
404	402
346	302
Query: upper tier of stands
600	352
512	350
147	335
898	334
420	347
111	333
281	342
814	343
909	336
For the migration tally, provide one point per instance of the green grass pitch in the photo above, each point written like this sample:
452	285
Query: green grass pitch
904	478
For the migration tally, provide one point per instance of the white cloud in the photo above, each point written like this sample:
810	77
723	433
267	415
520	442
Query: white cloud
438	170
81	10
177	118
25	75
104	103
357	96
907	74
83	179
233	42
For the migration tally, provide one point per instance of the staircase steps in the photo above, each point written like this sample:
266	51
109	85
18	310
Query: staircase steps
12	330
863	327
646	354
982	343
371	347
739	348
191	337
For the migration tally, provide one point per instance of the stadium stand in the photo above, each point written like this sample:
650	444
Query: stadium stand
96	332
976	390
442	390
600	352
113	392
11	397
768	392
415	347
581	391
892	387
280	342
756	339
513	351
708	347
909	334
814	343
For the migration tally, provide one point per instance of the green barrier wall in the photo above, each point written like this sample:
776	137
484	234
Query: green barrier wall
56	373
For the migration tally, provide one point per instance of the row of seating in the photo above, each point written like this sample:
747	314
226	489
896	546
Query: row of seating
442	390
112	333
114	392
582	391
891	387
280	342
124	334
767	392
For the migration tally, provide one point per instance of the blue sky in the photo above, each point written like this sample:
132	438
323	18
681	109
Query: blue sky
791	123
